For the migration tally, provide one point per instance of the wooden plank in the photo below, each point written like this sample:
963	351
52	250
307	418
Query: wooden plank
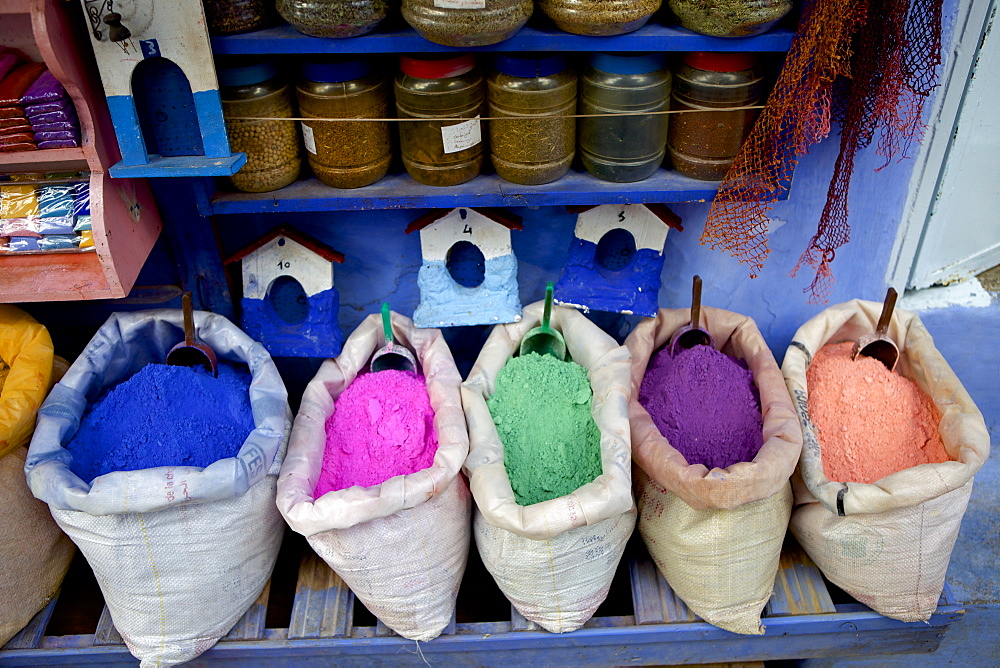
106	633
519	623
31	635
653	601
53	277
323	605
799	588
251	624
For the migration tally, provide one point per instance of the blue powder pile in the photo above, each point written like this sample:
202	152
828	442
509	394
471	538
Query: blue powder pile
164	416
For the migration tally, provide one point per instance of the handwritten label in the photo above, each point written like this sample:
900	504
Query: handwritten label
462	136
460	4
308	139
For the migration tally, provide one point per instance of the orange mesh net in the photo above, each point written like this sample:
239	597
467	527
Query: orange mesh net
868	65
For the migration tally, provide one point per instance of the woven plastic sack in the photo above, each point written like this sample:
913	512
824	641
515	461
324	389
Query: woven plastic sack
554	561
34	553
888	543
179	552
725	526
401	546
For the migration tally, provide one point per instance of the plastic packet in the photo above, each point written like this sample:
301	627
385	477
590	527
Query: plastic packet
17	138
15	124
17	82
46	88
61	126
45	107
55	136
87	239
81	200
59	143
58	242
67	115
56	225
56	200
12	112
20	244
83	224
23	146
20	227
18	201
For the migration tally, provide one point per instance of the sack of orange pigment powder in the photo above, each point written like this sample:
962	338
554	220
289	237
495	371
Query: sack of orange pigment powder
886	543
555	559
402	545
34	553
723	526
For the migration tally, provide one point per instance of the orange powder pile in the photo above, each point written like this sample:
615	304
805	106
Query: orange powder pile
871	422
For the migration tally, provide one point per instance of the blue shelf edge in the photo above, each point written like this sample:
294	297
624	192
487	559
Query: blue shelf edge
284	39
181	165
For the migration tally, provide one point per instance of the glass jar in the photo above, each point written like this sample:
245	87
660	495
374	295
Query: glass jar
599	17
256	89
228	17
703	143
465	23
729	18
440	152
538	143
629	147
345	154
333	18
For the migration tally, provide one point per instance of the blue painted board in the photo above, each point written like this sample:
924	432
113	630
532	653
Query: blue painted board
181	165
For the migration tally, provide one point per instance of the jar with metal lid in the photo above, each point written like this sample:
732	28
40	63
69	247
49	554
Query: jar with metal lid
465	23
599	17
333	18
729	18
628	147
228	17
253	90
431	87
538	96
345	154
704	141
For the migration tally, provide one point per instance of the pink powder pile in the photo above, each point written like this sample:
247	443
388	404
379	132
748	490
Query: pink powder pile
382	426
872	422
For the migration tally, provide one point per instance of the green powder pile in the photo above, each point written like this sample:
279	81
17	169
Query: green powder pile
551	445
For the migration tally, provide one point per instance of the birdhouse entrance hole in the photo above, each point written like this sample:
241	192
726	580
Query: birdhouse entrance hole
466	264
615	250
288	300
165	107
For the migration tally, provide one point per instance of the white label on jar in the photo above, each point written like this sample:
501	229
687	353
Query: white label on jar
308	138
460	4
462	136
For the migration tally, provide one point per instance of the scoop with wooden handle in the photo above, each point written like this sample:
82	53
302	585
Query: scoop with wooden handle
878	345
191	352
692	334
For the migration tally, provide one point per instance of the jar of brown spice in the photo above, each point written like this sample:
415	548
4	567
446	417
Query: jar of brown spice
465	23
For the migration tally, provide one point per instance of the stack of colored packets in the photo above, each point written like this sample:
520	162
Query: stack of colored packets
35	111
45	217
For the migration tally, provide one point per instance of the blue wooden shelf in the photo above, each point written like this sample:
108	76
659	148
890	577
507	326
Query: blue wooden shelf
653	37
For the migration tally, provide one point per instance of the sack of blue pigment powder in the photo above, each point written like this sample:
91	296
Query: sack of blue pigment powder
713	519
180	551
554	559
401	545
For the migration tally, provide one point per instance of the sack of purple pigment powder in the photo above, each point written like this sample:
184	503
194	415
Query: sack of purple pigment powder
394	526
720	517
554	559
180	551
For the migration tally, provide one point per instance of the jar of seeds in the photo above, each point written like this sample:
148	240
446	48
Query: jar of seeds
538	96
466	23
333	18
343	154
704	141
729	18
228	17
430	87
599	17
630	147
255	89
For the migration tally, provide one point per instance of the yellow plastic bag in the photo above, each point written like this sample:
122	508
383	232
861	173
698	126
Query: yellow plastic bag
25	347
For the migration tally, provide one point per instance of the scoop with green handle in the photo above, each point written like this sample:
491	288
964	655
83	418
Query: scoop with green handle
544	340
392	355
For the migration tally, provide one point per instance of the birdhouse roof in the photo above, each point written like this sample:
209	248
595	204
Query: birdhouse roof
661	211
497	215
285	230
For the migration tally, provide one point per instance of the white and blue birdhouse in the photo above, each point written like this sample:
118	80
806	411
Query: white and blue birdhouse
289	302
616	258
469	273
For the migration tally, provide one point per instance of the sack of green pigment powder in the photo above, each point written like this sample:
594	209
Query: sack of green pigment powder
887	544
402	545
180	552
716	535
34	553
553	560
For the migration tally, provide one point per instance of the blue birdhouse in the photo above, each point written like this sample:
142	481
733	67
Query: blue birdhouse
289	302
616	258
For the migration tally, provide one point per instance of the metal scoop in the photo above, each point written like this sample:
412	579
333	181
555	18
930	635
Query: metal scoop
544	340
392	356
692	335
192	352
878	345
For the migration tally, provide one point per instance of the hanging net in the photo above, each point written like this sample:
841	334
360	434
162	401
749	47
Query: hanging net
869	65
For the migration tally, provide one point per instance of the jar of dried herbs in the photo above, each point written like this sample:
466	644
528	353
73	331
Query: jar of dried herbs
333	18
228	17
599	17
256	90
438	152
627	147
465	23
729	18
532	132
345	154
704	141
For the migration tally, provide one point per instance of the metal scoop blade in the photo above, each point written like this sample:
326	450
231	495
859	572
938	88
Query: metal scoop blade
544	340
392	356
692	334
878	345
191	352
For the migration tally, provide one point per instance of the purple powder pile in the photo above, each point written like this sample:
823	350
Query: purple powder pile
705	404
164	416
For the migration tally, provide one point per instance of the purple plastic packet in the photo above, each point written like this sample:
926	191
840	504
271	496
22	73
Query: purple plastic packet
59	143
62	116
60	134
45	89
45	107
55	127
